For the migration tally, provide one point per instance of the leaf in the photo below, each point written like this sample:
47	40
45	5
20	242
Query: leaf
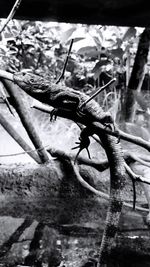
118	52
97	42
111	42
101	63
140	100
65	35
89	51
77	35
131	32
98	67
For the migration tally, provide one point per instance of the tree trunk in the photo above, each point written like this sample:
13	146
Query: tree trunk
137	74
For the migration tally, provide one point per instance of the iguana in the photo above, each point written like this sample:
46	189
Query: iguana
64	98
67	99
60	97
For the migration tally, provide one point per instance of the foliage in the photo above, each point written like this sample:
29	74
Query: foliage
99	53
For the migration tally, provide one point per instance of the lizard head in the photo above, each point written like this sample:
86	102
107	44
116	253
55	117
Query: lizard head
30	83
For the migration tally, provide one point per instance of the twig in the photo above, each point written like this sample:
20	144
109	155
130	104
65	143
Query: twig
97	92
21	153
100	166
25	119
136	177
66	61
134	192
11	14
122	135
85	184
138	159
7	126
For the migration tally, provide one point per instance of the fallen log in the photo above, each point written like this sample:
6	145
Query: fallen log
48	198
52	191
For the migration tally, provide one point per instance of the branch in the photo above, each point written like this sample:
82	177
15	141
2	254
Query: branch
98	92
136	177
26	120
119	133
15	135
66	61
11	14
100	166
64	156
137	158
122	135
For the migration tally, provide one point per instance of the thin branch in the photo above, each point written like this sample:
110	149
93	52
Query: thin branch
11	14
15	135
20	153
100	166
138	159
122	135
136	177
66	61
98	92
85	184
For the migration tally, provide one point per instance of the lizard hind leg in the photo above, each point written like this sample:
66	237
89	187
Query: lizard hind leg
83	143
53	114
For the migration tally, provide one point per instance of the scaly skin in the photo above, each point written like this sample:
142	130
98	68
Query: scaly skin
60	97
65	98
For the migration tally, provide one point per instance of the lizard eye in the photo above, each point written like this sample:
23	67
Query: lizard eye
32	80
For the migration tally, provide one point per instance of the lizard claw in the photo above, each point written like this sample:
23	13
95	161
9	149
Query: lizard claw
84	143
53	114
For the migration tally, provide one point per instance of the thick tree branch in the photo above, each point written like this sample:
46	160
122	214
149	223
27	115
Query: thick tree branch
26	120
15	135
119	133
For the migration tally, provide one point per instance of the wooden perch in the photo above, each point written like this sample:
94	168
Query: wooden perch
122	135
26	120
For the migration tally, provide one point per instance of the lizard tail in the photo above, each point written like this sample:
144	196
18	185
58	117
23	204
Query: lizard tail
117	182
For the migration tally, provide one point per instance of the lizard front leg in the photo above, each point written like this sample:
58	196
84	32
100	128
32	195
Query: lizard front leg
64	101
